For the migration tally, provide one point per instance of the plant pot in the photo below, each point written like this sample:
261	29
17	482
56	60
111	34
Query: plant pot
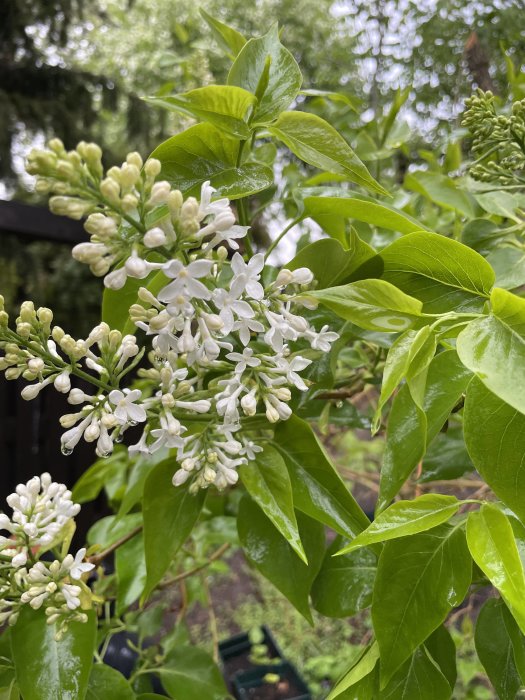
253	685
235	654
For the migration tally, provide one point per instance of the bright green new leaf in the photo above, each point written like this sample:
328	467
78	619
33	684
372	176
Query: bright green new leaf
442	190
230	39
493	347
375	305
495	439
410	430
357	673
509	265
169	512
493	548
267	481
105	682
284	77
276	560
130	566
406	518
317	143
225	106
444	274
318	490
419	678
108	530
498	643
92	481
330	263
447	457
419	579
401	355
116	302
47	669
189	673
203	153
344	584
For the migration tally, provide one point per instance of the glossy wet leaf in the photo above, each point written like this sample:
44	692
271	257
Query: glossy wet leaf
203	153
229	38
359	670
130	567
418	679
225	106
406	518
360	208
344	584
47	669
105	682
267	481
444	274
410	430
419	579
170	512
493	347
498	642
442	190
495	439
317	143
275	559
318	490
493	548
442	649
330	262
189	673
92	481
284	77
372	304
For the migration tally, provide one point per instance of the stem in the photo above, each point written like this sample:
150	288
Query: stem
276	242
186	574
212	618
97	558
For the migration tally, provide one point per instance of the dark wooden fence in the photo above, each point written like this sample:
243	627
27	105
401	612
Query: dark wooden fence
30	430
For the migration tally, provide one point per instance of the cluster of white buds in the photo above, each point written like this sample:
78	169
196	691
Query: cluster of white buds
230	339
41	522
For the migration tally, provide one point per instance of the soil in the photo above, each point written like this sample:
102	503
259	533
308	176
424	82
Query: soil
283	690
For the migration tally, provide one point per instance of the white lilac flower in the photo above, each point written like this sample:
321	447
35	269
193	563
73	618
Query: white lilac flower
246	276
126	410
321	340
185	280
245	326
291	368
244	360
228	305
76	565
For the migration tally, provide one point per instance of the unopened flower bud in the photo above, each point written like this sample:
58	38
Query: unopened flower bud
160	192
175	201
110	190
154	237
36	364
135	159
116	279
152	167
62	382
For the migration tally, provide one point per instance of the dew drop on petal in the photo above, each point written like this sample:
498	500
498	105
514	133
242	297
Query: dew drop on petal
66	450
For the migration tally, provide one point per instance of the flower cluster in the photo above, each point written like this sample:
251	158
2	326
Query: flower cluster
42	520
229	337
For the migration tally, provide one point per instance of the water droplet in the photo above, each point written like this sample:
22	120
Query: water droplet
105	455
339	404
133	422
66	450
118	438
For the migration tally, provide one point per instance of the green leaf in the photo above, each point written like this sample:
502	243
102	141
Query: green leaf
495	439
400	357
92	481
108	530
105	682
116	302
47	669
344	584
443	191
225	106
419	580
493	548
267	481
493	347
442	649
418	679
330	262
284	78
357	672
406	518
447	457
444	274
130	566
375	305
498	641
276	560
230	39
410	430
317	143
170	512
190	673
318	490
509	265
203	153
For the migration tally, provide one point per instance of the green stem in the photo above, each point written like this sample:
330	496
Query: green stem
283	233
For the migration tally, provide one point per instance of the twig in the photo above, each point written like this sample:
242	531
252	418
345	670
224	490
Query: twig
213	619
97	558
186	574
